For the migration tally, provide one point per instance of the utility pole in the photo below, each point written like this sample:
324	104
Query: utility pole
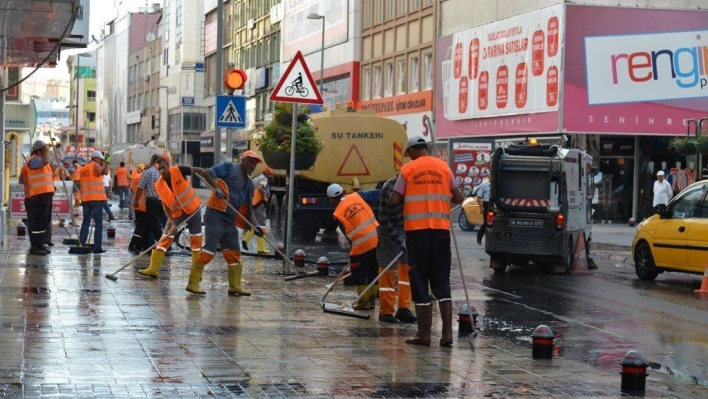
218	86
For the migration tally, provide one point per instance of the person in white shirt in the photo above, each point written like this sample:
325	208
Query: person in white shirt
107	186
662	193
483	192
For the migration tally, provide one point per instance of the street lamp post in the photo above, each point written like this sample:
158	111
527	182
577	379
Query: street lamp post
322	17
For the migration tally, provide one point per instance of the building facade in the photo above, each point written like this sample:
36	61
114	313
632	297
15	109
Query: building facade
82	70
397	53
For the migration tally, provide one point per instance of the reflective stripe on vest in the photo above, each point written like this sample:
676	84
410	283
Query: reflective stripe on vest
40	181
358	222
91	185
426	202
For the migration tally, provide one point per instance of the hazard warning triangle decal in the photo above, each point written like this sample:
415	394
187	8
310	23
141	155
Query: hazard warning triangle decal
353	164
296	84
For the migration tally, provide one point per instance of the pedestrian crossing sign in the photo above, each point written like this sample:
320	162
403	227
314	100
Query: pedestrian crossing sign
231	111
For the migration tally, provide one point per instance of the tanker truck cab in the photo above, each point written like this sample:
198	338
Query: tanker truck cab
542	198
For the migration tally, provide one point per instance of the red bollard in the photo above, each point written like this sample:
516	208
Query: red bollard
542	338
323	266
634	372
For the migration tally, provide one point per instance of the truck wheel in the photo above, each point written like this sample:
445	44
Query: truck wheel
568	256
274	216
463	223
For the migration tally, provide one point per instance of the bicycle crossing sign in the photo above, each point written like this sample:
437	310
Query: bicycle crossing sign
231	111
296	84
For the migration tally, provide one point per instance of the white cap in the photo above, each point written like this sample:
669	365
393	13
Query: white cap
415	140
660	173
97	154
334	190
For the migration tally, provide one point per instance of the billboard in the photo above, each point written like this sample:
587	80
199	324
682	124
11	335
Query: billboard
305	35
634	71
507	67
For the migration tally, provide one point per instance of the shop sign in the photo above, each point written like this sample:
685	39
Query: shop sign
644	78
470	159
403	104
61	203
206	142
507	60
612	146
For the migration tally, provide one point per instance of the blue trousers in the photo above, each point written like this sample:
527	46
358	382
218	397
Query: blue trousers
92	209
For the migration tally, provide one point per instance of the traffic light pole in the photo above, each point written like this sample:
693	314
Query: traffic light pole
219	77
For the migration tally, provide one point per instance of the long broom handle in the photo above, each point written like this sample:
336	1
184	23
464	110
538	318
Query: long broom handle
250	224
164	231
331	287
66	192
459	263
393	262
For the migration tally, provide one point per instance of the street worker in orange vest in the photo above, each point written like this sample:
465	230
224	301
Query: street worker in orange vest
234	185
358	223
260	199
123	186
137	244
37	178
94	197
426	186
180	201
76	178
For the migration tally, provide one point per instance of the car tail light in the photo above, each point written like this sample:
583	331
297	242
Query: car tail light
490	218
310	200
560	221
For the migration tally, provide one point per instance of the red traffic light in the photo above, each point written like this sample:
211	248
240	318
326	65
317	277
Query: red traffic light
235	79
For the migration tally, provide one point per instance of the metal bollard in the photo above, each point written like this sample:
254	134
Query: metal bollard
634	372
111	231
299	258
542	338
465	320
281	248
21	229
323	266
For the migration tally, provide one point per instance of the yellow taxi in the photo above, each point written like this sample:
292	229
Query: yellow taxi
471	216
676	240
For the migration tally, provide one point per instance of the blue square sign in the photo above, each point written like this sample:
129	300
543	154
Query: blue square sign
231	111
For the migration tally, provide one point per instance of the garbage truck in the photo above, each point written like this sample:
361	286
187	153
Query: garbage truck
361	151
542	206
134	155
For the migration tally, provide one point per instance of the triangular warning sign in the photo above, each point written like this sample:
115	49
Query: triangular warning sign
230	114
296	84
353	165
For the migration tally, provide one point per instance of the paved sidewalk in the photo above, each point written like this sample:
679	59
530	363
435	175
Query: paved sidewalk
66	331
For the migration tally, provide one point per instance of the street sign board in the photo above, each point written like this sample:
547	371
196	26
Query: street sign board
231	111
296	84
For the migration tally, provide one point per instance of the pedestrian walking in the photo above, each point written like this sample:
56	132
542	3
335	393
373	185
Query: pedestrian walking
76	178
260	199
108	188
357	221
153	204
139	208
123	186
37	178
94	198
662	193
235	187
392	240
426	186
483	192
179	202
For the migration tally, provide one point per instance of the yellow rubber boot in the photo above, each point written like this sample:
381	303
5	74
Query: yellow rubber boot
363	303
234	274
246	239
195	255
373	294
156	259
262	249
195	276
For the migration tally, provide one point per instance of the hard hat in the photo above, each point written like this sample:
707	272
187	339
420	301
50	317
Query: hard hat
415	140
251	154
141	165
334	190
97	154
38	145
660	173
166	156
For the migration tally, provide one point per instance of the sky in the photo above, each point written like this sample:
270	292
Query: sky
97	19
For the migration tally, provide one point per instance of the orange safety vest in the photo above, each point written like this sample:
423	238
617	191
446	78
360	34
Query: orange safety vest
122	176
91	185
258	196
76	174
142	202
221	204
426	203
359	223
25	182
181	198
41	181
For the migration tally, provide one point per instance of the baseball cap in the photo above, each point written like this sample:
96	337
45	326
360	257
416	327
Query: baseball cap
251	154
141	165
660	173
38	145
334	190
415	140
97	154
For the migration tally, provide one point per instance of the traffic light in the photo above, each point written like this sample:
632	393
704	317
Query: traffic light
234	79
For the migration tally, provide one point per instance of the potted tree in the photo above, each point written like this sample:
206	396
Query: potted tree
684	145
275	142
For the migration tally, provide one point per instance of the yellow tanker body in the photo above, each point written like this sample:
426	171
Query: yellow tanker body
361	151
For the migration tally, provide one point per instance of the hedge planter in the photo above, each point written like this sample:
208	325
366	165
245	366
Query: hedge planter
281	160
702	147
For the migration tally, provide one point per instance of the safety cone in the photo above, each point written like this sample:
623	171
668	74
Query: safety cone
580	262
704	283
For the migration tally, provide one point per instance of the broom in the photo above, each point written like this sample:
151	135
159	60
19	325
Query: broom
71	240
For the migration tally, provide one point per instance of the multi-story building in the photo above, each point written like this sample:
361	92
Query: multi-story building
143	118
397	53
46	89
182	74
82	70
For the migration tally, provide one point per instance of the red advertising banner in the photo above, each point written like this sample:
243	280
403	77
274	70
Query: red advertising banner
61	204
470	160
